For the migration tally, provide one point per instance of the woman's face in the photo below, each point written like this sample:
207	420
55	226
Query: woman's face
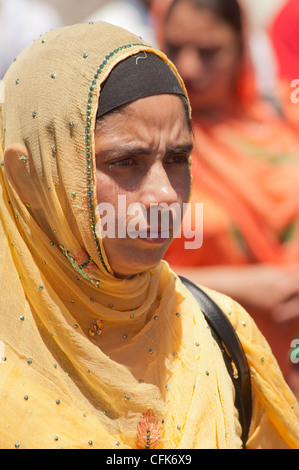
207	54
142	154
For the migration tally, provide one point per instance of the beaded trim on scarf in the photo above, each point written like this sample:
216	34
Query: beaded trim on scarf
87	142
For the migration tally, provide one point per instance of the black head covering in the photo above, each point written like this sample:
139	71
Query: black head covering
138	76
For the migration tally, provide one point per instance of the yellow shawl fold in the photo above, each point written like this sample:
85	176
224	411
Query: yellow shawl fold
153	376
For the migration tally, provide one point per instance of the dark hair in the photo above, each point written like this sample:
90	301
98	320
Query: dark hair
228	11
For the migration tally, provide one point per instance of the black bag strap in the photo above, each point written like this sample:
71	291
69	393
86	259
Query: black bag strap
232	350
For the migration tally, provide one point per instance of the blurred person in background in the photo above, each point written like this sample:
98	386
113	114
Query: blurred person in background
22	21
245	172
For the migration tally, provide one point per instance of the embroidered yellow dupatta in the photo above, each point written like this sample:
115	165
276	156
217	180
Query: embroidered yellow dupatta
89	360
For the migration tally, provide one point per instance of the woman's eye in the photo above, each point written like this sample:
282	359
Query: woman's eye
209	54
123	162
179	159
172	51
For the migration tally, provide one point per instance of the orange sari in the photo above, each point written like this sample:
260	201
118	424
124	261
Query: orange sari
246	173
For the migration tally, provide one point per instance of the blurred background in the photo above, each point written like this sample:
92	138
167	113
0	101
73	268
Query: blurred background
21	21
72	11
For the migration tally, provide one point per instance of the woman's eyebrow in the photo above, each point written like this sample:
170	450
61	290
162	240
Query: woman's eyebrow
124	149
132	150
183	148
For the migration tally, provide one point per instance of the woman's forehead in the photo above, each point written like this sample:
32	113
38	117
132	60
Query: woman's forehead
154	111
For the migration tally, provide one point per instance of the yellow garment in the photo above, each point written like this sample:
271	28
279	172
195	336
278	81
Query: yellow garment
155	358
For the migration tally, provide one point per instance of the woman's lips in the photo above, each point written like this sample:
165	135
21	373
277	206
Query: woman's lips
152	235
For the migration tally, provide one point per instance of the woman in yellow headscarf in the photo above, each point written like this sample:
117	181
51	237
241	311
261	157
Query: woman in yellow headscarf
102	345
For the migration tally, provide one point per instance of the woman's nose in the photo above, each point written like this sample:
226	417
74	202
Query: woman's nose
157	187
189	64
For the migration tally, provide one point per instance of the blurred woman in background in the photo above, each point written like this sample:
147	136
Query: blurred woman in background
245	171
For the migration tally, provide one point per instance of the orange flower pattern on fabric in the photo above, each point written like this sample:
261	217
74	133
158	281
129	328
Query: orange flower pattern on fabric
148	431
96	329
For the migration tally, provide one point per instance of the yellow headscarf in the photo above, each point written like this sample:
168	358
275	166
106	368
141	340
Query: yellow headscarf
90	360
